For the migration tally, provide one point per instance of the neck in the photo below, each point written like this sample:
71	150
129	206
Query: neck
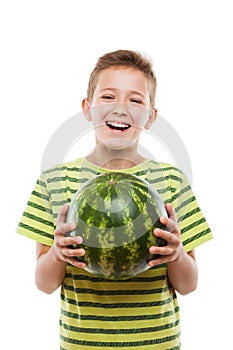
115	159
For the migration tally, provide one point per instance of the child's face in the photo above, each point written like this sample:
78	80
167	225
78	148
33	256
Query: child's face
120	107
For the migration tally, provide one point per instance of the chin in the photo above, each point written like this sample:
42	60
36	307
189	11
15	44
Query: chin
119	145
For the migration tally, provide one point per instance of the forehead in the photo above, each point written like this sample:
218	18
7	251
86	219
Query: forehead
122	78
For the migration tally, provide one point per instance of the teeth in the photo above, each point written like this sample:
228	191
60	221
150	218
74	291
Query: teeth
118	126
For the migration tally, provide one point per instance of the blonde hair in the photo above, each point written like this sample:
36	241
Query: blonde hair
123	58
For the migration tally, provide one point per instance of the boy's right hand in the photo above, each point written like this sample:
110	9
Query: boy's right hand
61	245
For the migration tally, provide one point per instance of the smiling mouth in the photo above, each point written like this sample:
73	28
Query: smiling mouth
118	126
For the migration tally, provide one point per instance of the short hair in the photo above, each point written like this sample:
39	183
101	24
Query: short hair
123	58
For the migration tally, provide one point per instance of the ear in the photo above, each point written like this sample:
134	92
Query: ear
151	119
86	109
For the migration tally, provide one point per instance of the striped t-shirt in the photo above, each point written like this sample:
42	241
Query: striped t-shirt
96	313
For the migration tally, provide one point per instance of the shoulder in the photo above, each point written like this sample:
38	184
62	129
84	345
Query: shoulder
168	170
60	169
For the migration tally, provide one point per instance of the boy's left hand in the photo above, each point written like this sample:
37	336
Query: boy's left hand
174	248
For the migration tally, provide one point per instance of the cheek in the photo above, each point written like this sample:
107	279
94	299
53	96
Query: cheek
140	116
99	112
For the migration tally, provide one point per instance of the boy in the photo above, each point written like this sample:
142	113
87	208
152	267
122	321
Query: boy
141	312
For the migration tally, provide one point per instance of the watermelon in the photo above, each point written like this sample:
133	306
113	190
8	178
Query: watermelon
116	214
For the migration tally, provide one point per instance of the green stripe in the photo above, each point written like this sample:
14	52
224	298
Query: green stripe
179	194
140	173
120	318
163	190
115	292
197	237
185	203
66	178
166	179
72	169
41	183
173	348
119	330
115	306
133	279
60	203
189	214
34	230
39	219
194	224
120	344
61	190
160	168
39	207
40	195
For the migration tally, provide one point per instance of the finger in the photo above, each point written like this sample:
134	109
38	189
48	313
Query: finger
76	263
62	213
63	241
170	224
64	227
161	250
160	260
170	211
70	253
168	236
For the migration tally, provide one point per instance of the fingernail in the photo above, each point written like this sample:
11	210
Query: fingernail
152	250
79	239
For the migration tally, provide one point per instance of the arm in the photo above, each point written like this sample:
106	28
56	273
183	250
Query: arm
181	266
51	261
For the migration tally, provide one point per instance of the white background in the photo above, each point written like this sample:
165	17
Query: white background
48	49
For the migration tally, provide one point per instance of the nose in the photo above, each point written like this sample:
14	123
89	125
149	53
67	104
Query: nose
120	108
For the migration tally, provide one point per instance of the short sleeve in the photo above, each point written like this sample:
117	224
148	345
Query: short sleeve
37	221
192	223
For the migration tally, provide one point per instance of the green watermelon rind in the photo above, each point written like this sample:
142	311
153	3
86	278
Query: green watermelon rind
116	251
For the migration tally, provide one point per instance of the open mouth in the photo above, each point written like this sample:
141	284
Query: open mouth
118	126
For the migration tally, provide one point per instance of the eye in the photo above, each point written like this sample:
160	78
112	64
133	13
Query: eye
107	97
136	101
